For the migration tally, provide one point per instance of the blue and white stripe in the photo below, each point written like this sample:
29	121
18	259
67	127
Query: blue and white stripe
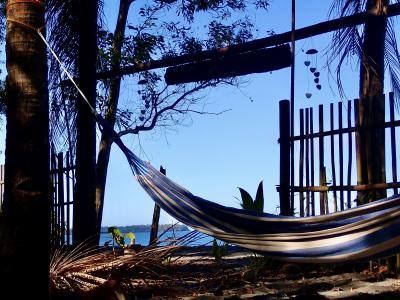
361	233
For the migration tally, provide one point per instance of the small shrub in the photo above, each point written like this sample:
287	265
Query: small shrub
218	251
250	204
119	238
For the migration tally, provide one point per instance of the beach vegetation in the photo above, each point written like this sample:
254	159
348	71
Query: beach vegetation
248	203
118	238
219	250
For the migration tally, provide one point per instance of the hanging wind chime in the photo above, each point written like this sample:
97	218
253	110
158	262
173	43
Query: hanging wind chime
311	63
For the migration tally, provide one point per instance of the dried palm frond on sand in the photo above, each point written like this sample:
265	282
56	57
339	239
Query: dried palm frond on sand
84	270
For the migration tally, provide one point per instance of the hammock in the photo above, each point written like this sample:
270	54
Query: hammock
365	232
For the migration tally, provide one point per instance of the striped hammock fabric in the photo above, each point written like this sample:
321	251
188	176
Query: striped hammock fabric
365	232
361	233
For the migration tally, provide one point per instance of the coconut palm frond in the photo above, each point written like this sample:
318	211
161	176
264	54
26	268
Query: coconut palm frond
63	115
392	60
345	44
84	268
63	36
346	7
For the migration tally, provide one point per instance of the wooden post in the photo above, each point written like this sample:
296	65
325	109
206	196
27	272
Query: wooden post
292	98
156	218
284	134
371	145
379	143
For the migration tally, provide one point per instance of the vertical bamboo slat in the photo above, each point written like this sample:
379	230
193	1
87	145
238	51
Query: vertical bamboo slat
301	162
284	158
55	216
357	136
332	114
341	177
322	178
1	184
68	199
60	191
307	161
393	141
379	167
312	162
325	194
350	153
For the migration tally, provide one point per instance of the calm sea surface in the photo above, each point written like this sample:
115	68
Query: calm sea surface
144	237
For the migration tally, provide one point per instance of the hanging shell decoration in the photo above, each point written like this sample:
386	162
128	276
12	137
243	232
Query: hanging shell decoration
312	51
313	70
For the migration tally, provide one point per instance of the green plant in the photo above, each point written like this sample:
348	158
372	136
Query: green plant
250	204
119	238
218	251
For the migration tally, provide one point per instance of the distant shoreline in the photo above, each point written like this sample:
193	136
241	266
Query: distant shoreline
146	228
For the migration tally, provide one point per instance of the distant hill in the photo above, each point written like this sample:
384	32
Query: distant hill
146	228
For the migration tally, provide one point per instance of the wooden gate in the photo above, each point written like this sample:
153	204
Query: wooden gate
328	162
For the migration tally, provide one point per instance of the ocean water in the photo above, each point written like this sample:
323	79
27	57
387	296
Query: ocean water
169	236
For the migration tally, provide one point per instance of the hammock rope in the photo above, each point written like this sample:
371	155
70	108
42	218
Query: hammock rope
361	233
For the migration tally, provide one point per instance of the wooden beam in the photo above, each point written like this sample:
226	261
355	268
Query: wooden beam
302	33
258	61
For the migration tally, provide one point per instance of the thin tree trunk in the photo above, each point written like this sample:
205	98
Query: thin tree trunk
25	254
103	157
372	142
84	221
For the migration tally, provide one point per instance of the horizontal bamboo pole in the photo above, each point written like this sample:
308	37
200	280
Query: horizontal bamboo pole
342	131
361	187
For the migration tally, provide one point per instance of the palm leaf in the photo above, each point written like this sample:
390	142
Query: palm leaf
247	200
61	23
346	43
259	202
392	59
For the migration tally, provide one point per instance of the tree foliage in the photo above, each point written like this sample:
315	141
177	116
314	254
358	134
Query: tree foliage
160	29
347	43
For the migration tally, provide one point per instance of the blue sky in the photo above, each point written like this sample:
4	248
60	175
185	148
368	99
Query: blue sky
217	154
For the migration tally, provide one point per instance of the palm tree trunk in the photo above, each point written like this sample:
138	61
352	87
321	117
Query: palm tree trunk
103	157
84	219
25	240
371	144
